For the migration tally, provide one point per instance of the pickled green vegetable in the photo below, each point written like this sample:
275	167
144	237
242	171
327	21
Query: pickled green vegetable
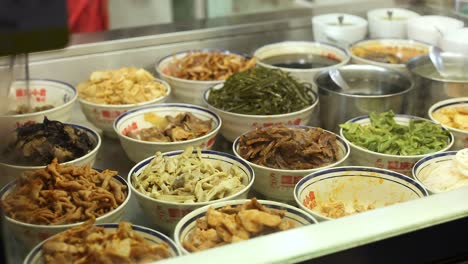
384	135
262	91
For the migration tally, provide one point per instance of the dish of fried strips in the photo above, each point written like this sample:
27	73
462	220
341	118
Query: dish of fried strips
231	224
63	194
87	243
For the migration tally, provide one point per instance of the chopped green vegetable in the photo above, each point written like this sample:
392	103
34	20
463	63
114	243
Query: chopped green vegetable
384	135
262	91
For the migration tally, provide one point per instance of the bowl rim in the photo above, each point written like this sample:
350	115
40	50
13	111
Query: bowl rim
306	109
206	50
445	104
199	212
409	13
124	106
51	110
388	42
315	44
451	138
423	161
38	248
347	151
215	117
372	67
142	164
421	61
426	18
92	152
358	21
415	183
12	184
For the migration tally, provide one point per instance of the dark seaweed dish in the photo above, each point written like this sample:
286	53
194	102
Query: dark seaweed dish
38	144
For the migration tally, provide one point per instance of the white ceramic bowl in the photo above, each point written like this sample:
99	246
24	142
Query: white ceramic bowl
186	91
306	48
461	136
11	171
235	124
164	214
188	224
103	115
424	166
29	235
138	150
398	45
456	41
361	184
152	236
403	164
326	29
383	26
43	92
431	29
278	184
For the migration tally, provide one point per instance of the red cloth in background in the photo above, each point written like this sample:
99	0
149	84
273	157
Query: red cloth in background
87	15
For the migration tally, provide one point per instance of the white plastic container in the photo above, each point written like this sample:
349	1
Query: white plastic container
327	28
456	41
389	22
431	29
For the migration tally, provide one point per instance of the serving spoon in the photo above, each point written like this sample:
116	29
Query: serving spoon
338	79
436	59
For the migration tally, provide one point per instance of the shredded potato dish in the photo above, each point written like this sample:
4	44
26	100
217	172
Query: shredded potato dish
63	194
92	244
187	178
122	86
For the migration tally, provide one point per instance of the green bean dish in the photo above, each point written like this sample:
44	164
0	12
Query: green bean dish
262	91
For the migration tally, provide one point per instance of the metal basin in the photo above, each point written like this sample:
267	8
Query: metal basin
431	87
371	89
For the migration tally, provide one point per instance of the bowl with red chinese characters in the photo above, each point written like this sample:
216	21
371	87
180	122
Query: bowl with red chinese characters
45	98
187	235
361	156
144	238
177	187
278	184
341	191
235	124
30	234
102	115
20	156
165	127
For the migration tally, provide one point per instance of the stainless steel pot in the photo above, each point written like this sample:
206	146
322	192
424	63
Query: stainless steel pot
431	87
371	89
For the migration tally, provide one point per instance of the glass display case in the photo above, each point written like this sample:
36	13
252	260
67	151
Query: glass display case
430	229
